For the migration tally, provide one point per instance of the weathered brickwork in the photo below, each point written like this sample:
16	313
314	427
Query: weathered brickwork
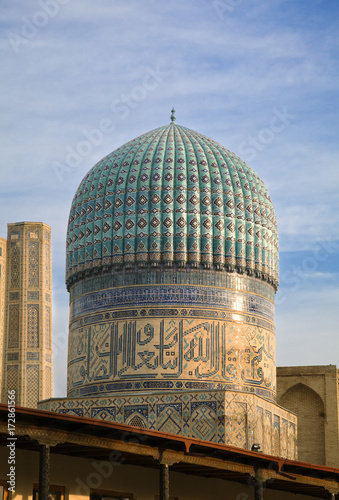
312	393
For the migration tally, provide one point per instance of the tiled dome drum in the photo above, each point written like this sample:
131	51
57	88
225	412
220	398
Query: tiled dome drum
173	196
172	267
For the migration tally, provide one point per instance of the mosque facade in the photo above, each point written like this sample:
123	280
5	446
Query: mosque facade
172	269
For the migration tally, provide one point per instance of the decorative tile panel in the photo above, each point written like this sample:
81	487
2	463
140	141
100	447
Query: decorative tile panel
173	295
236	419
28	314
33	264
15	266
32	326
48	327
176	196
12	378
13	327
32	386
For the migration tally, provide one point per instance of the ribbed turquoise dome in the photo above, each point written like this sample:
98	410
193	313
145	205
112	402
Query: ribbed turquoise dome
172	197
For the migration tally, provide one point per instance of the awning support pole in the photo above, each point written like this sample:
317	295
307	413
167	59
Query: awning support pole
44	471
164	482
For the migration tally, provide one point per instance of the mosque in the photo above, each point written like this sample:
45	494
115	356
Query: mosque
172	268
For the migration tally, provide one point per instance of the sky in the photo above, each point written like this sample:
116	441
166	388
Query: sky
81	78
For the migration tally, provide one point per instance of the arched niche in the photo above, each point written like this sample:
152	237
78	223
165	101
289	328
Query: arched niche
309	407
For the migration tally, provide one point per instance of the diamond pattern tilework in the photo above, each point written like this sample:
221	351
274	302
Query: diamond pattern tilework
204	420
236	419
176	168
169	418
32	386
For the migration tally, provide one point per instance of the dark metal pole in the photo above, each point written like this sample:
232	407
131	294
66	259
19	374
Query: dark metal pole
331	496
44	472
164	482
259	490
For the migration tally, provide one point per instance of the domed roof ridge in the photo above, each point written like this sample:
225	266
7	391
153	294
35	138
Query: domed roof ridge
172	196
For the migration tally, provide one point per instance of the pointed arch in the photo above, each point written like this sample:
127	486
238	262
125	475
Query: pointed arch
137	421
309	407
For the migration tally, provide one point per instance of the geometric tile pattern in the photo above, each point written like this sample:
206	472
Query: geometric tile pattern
47	261
169	417
136	415
15	266
170	196
48	329
32	355
32	326
48	382
33	262
79	412
12	378
103	413
32	386
173	276
28	312
236	419
180	295
14	356
204	420
13	333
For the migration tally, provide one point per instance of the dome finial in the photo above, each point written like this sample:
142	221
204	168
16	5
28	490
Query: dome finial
173	117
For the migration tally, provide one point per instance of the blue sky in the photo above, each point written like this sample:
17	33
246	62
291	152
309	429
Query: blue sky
80	78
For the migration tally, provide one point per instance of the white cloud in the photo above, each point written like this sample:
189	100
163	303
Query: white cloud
224	76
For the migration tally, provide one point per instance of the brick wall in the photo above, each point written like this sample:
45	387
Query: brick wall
312	393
